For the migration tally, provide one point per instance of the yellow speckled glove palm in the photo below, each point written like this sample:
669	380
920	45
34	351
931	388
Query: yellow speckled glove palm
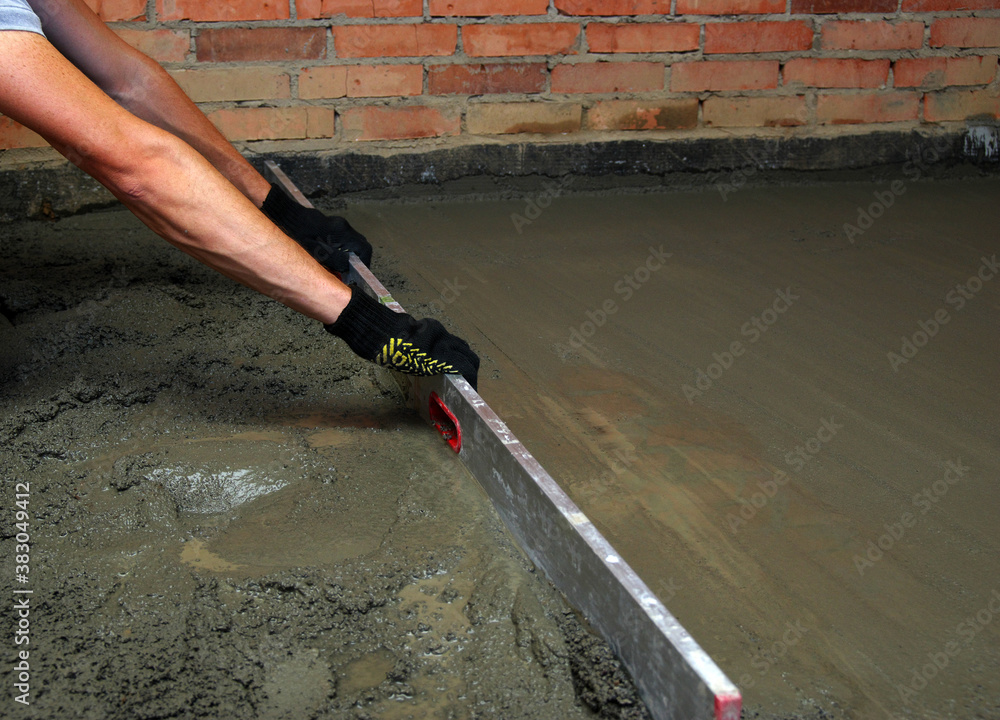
398	341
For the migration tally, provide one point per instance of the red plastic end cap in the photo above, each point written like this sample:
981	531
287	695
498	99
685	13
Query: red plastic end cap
727	707
445	422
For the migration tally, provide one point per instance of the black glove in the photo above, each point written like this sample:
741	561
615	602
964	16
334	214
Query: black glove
397	341
328	239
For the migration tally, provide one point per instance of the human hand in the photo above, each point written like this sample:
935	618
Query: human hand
398	341
328	239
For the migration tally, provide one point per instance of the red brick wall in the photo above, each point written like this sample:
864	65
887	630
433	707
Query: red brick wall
359	70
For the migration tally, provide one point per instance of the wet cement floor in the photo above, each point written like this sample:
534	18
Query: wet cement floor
229	516
787	426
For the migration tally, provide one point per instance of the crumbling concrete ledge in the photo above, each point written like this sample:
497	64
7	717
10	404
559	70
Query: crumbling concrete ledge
36	183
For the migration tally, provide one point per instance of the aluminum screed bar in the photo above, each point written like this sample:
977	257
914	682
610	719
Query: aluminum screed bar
675	677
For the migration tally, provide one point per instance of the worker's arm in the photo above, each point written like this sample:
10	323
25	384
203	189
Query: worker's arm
140	85
179	195
168	185
145	89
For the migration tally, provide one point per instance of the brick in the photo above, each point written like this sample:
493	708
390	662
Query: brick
323	82
289	123
310	9
754	37
608	77
357	41
222	10
507	118
14	135
857	108
486	79
118	10
729	7
164	46
643	37
939	71
949	5
385	80
836	73
755	112
644	115
966	32
483	8
530	39
260	44
400	123
613	7
724	75
871	35
961	105
820	7
234	84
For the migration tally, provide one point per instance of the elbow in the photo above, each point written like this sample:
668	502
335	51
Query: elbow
133	190
133	168
139	86
153	165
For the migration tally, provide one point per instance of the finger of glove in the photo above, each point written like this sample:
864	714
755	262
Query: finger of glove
467	365
329	255
357	243
431	337
337	230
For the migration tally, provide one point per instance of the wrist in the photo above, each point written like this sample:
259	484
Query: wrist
365	324
256	188
334	303
282	210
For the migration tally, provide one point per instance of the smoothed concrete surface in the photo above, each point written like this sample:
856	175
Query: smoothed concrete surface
820	514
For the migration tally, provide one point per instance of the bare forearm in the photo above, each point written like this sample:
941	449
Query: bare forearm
159	100
187	202
160	178
140	85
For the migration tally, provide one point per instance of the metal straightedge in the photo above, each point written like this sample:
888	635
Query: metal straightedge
675	677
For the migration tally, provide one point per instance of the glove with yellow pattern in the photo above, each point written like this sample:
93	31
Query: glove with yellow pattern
398	341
